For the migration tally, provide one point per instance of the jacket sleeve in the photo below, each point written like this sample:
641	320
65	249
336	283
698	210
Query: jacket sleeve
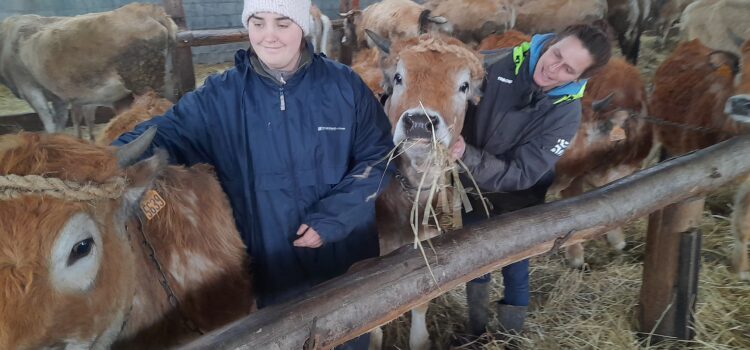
351	202
183	131
524	165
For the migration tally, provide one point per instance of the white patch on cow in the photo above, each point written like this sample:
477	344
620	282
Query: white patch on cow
80	275
189	207
191	268
419	338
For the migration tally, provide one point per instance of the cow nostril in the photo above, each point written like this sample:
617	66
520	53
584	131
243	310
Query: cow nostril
408	122
434	120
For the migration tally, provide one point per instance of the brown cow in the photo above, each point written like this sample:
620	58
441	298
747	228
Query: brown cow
611	142
430	80
473	20
143	108
718	24
105	57
540	16
705	99
76	270
367	64
393	20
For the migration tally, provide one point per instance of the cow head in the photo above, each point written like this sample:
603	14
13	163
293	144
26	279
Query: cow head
738	106
430	80
66	264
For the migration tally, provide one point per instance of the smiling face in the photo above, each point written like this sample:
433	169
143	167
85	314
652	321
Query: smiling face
562	63
276	39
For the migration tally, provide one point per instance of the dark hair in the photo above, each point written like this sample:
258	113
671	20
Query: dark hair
594	40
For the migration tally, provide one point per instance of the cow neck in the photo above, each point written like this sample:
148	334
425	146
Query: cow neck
163	281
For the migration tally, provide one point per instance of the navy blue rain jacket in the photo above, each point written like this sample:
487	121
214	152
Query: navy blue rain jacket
287	154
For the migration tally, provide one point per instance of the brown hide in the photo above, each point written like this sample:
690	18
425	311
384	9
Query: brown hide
539	16
473	20
594	153
718	24
193	235
510	38
691	90
143	108
367	64
392	19
431	66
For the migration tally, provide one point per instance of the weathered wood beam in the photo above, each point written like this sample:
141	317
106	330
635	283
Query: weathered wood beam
207	37
381	289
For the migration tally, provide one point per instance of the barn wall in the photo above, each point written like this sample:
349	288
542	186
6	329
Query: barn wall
201	14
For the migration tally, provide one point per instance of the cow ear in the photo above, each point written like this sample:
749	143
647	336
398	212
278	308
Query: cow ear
720	58
141	177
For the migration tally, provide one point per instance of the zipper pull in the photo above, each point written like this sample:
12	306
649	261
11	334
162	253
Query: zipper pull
282	103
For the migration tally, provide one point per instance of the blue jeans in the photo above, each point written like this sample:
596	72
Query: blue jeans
515	281
360	343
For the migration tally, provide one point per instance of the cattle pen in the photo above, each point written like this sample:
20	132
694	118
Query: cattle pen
382	289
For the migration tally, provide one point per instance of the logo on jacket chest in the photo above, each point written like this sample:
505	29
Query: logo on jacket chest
504	80
560	147
331	128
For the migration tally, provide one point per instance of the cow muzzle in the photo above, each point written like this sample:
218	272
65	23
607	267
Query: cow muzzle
420	125
738	108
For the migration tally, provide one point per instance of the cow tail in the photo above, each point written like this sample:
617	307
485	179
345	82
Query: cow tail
170	89
327	27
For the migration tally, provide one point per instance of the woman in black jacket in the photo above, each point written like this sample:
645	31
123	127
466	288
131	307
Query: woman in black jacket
530	111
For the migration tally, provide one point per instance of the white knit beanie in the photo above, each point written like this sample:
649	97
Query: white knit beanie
297	10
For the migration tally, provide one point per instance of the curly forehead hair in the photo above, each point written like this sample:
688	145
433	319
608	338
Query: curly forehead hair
444	45
594	40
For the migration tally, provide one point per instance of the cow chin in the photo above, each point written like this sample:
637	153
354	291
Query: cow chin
738	108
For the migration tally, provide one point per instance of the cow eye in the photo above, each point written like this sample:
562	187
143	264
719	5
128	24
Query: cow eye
464	87
80	250
397	79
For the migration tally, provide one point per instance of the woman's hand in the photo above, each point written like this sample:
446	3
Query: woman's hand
310	238
458	148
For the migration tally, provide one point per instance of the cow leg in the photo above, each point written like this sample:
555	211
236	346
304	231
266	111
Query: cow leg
741	231
574	253
616	238
376	338
89	112
419	338
60	108
39	103
76	115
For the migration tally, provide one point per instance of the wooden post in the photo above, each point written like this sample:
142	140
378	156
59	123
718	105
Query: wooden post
182	62
347	48
670	271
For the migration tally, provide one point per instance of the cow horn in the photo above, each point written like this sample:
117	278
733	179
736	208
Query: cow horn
492	56
128	154
603	103
438	19
382	43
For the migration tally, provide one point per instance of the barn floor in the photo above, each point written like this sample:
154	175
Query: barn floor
595	308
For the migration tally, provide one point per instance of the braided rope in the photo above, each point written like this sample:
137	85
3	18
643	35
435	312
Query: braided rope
15	186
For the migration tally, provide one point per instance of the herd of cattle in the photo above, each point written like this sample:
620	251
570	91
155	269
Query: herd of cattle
81	267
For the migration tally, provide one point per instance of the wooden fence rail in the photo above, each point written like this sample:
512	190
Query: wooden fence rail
383	288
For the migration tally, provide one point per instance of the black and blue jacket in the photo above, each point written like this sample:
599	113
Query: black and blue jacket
518	132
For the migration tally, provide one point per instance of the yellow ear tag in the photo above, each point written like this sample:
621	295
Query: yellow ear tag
152	203
617	134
